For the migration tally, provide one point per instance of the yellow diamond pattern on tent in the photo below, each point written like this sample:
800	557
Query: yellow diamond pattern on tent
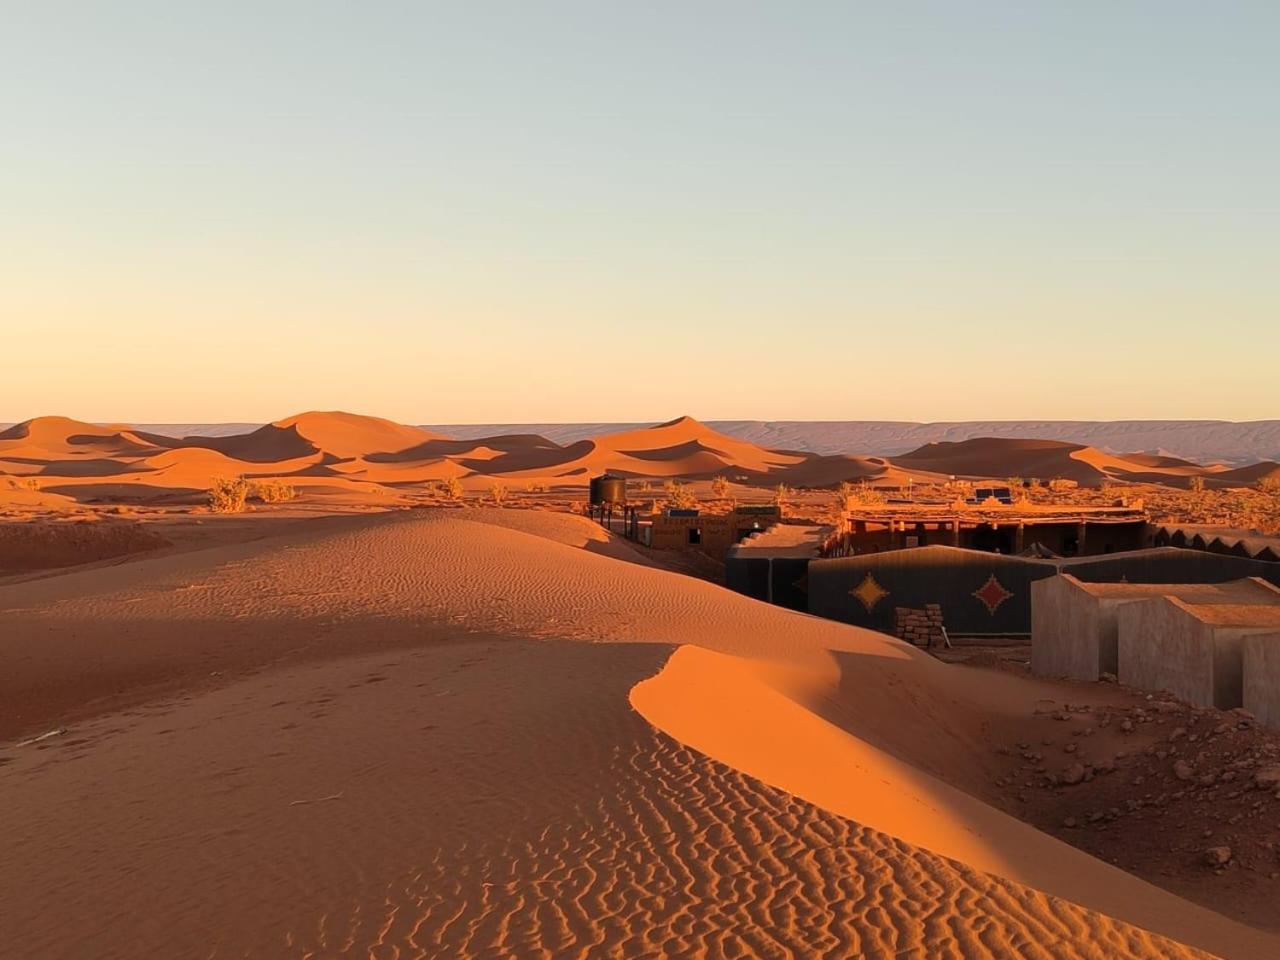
869	592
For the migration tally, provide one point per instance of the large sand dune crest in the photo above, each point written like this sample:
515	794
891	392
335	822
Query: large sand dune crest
352	453
542	819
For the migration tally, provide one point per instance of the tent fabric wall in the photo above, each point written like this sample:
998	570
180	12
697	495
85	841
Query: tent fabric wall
980	593
1168	565
971	584
780	580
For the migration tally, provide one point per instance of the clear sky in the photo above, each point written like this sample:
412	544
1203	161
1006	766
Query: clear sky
596	210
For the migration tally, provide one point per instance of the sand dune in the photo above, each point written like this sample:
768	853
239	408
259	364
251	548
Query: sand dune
1202	441
1252	474
336	435
995	457
347	453
64	438
342	741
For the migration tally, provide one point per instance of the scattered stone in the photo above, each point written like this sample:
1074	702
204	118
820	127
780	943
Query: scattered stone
1182	770
1217	856
1070	748
1108	677
1177	733
1070	823
1126	725
1073	774
1268	778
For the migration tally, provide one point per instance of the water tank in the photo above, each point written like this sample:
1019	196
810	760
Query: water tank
608	489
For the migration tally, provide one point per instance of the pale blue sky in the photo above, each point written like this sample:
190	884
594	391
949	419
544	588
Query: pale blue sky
564	211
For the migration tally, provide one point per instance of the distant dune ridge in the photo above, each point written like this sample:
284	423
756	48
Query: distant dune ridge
1202	441
349	452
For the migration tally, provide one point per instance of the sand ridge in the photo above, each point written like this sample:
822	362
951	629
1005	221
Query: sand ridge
344	452
894	719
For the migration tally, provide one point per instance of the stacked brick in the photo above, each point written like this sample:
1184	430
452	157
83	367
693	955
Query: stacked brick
921	627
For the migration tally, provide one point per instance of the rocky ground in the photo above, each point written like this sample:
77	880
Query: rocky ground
1187	798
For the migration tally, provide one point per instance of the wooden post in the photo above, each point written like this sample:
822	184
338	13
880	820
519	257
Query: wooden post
1020	537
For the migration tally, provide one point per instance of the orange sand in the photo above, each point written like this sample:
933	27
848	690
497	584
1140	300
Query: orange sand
410	735
350	454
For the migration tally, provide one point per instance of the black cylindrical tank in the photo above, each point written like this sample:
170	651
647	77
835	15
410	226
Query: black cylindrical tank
608	489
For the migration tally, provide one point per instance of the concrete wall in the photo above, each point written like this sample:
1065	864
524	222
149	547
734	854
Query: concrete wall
1261	669
717	532
1066	632
1162	647
1075	625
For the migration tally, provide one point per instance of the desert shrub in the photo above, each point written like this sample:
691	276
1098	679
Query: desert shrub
497	493
679	495
860	494
720	487
1197	484
535	486
845	497
228	496
450	489
271	491
782	494
1270	486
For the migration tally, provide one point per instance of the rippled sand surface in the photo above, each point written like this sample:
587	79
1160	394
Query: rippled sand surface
401	770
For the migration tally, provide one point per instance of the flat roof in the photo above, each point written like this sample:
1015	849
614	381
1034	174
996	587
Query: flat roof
1233	614
1029	513
784	540
1249	591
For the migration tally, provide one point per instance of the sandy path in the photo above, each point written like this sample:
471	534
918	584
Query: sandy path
181	825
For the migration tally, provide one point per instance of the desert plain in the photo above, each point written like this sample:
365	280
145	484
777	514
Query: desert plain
419	705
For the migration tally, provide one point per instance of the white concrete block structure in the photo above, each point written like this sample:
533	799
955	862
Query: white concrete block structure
1195	651
1261	669
1074	626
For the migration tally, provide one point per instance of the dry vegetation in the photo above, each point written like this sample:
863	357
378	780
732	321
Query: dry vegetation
228	495
1241	508
272	491
450	489
679	495
232	495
